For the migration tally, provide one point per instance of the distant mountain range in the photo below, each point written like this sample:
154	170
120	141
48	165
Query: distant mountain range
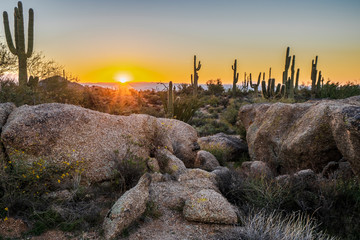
142	85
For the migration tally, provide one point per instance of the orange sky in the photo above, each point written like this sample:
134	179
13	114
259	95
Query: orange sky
156	40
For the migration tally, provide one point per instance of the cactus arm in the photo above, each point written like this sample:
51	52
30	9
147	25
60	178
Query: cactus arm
263	89
8	34
270	73
199	66
30	33
20	25
297	79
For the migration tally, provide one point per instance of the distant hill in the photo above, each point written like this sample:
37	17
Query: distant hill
51	81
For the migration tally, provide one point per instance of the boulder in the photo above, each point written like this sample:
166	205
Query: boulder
233	147
194	174
5	110
128	208
305	178
153	165
169	163
290	137
65	134
257	169
335	170
208	206
12	228
183	139
206	161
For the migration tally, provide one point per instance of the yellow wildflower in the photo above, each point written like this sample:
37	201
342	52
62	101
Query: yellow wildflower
6	218
59	181
37	176
6	209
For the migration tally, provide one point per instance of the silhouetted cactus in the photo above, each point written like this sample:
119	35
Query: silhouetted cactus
313	76
269	91
287	65
170	107
245	84
195	77
19	48
255	86
235	77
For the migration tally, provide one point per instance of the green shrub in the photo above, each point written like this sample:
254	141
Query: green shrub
338	91
215	87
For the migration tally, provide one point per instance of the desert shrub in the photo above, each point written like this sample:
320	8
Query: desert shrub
221	153
275	226
210	126
338	91
215	87
334	204
128	170
152	210
185	108
25	189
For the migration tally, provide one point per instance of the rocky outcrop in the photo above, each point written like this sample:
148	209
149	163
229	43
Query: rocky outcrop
335	170
66	134
256	169
169	163
183	139
206	161
209	206
233	147
5	110
291	137
128	208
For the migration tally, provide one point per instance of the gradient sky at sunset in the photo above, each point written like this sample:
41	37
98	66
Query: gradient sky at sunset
155	40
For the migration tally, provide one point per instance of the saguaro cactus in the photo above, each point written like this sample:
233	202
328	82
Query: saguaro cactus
292	78
287	65
19	48
313	76
170	104
255	86
195	77
235	77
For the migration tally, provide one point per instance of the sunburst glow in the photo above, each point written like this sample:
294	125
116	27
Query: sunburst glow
123	77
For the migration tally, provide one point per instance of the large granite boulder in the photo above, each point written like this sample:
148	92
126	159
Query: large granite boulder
5	110
183	139
208	206
128	208
297	136
64	134
206	161
233	147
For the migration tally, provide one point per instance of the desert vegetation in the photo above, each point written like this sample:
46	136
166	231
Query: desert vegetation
49	190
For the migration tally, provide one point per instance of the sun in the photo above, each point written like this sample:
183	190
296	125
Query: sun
123	77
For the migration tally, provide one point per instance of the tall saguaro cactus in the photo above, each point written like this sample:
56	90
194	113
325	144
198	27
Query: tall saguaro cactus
19	48
314	72
255	85
287	65
235	77
170	103
195	77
